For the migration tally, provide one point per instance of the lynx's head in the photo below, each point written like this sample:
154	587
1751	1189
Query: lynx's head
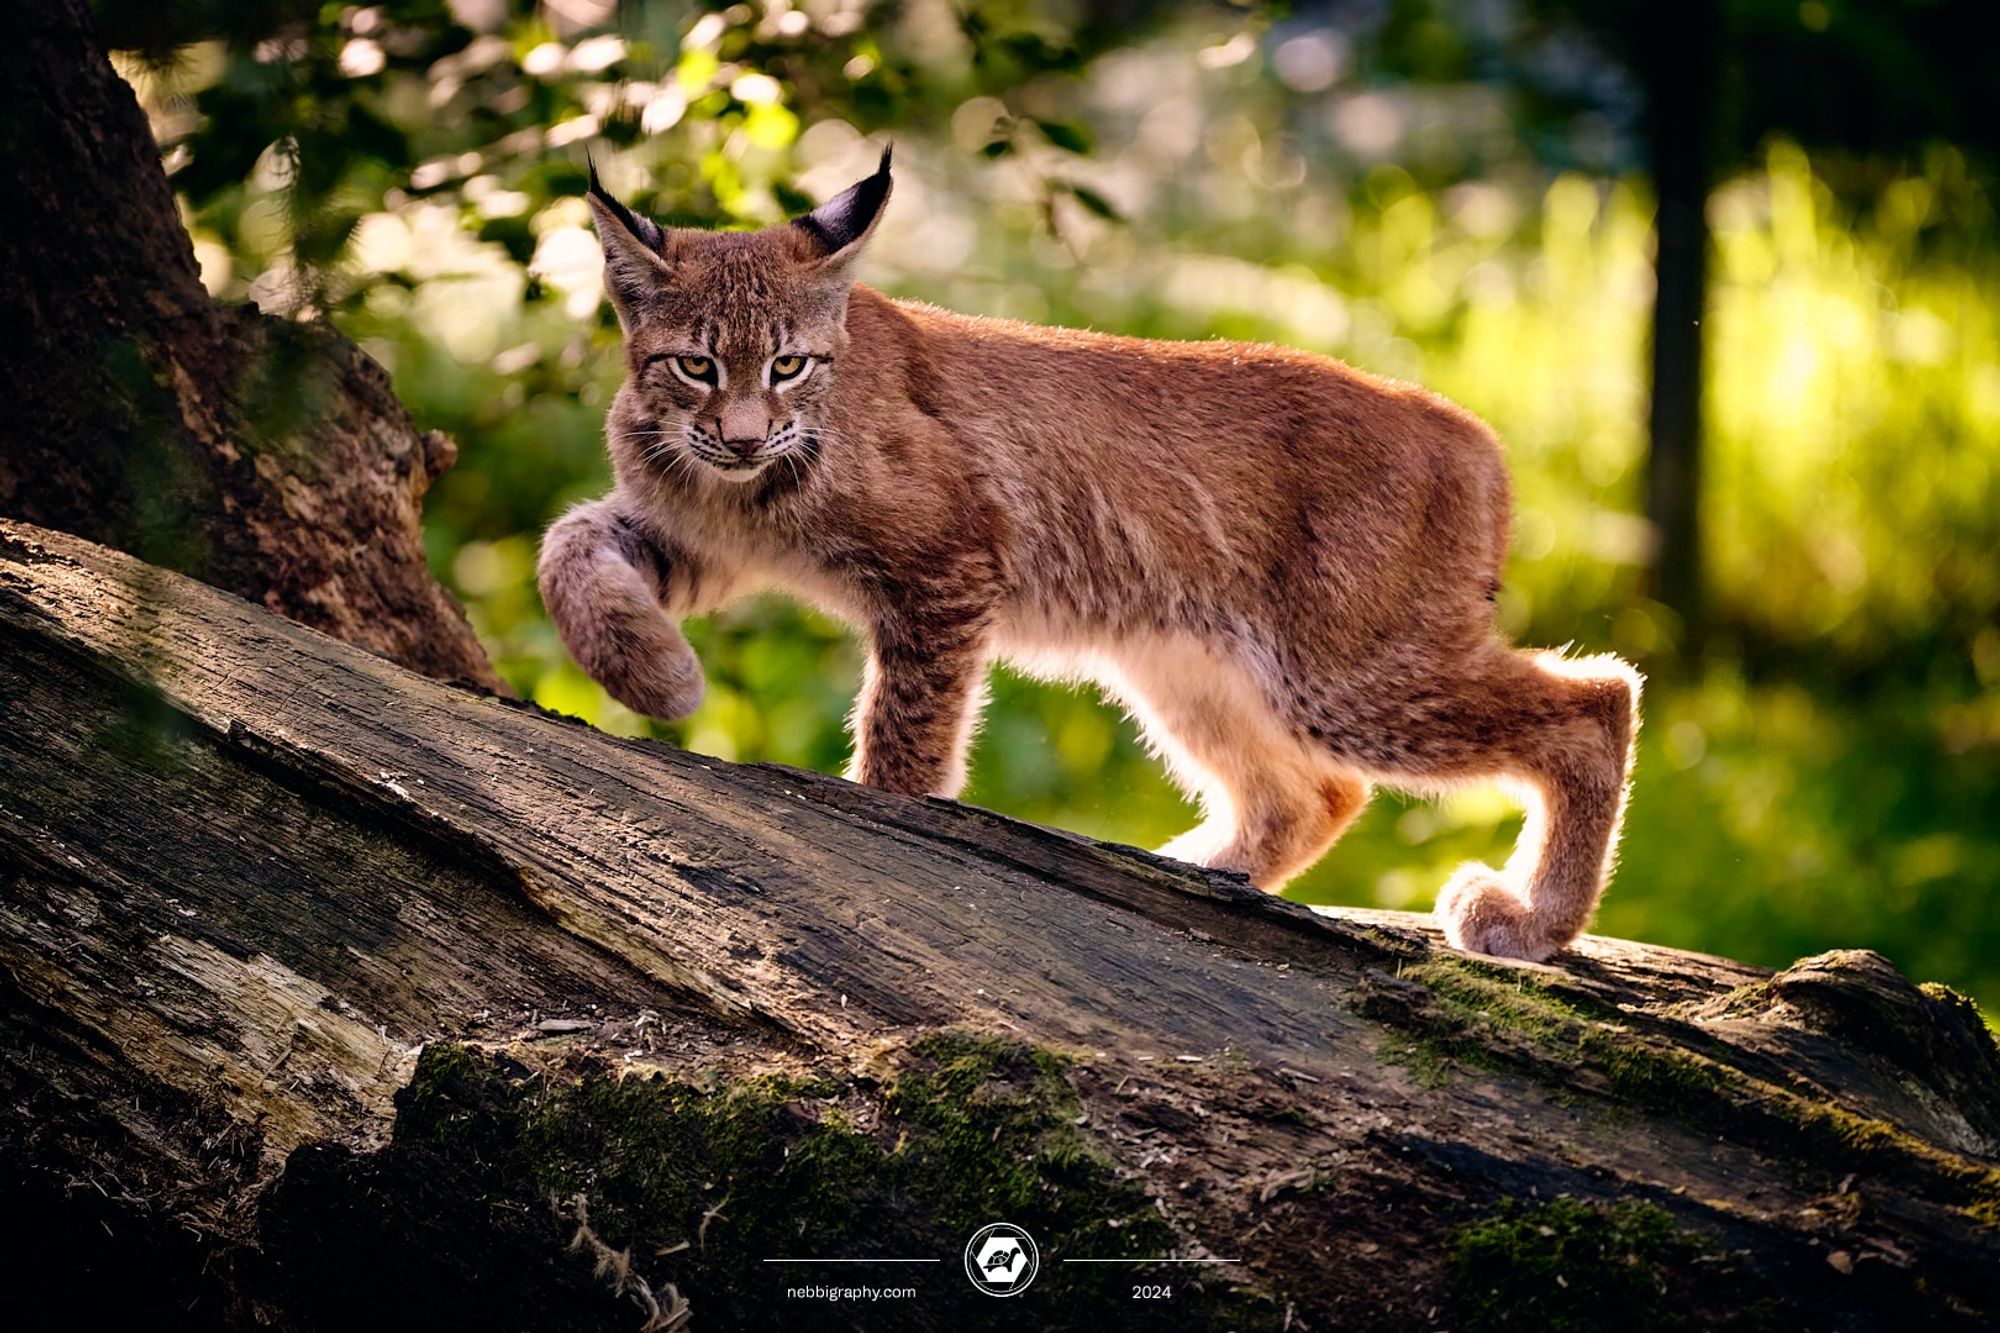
731	336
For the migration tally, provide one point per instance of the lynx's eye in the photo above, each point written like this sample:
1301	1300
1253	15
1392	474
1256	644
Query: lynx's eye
700	369
786	368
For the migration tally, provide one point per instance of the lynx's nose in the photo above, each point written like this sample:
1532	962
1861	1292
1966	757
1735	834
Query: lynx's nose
743	432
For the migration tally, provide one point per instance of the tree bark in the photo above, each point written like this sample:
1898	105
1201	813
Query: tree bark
333	994
263	456
1679	61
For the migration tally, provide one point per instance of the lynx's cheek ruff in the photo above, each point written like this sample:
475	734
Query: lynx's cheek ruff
1282	567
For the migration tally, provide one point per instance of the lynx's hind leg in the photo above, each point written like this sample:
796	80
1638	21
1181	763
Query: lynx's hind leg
1272	801
1557	730
1270	829
604	583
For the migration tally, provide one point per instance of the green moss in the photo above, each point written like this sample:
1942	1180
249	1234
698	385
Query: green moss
1748	1000
1477	1014
1569	1265
1666	1079
1395	946
1965	1005
1849	1137
1481	1009
972	1092
1430	1059
703	1180
1508	997
660	1157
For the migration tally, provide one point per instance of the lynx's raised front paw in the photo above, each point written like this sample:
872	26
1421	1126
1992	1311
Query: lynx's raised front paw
668	685
602	581
1480	914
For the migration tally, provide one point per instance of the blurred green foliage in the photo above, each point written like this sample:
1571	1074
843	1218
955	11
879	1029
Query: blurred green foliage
1829	775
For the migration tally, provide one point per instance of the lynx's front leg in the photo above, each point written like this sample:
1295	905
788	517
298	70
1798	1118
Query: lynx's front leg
921	696
615	594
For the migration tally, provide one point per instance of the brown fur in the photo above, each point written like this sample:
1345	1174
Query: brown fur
1282	566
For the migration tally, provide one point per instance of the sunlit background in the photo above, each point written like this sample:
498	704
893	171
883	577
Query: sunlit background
1822	771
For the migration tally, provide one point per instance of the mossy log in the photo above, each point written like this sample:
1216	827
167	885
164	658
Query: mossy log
334	995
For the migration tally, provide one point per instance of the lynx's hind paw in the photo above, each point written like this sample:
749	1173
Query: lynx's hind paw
1480	914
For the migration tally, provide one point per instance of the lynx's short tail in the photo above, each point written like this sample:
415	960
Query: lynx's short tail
604	585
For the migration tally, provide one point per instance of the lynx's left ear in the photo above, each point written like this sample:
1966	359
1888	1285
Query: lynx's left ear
838	228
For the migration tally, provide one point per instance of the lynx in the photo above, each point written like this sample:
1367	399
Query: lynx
1283	567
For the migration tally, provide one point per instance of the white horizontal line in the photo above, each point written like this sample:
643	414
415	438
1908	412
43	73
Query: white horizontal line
853	1261
1152	1261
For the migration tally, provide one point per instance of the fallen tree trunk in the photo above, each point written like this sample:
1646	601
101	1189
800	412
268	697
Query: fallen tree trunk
334	994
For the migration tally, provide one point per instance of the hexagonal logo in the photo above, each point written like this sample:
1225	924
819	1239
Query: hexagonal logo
1001	1259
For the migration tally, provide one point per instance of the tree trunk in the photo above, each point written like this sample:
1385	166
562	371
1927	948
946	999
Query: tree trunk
333	994
1680	63
263	456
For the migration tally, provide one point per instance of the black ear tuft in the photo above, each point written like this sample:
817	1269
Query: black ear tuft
845	220
635	252
643	230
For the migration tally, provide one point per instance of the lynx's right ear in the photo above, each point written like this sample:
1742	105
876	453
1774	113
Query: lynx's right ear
838	228
635	263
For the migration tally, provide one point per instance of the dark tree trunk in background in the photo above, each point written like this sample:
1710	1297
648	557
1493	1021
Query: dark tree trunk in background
332	997
1679	66
260	455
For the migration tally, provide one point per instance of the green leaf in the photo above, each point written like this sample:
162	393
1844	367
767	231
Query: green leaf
1071	138
791	198
512	233
1095	202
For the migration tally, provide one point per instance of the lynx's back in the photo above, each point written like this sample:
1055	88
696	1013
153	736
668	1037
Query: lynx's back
1139	476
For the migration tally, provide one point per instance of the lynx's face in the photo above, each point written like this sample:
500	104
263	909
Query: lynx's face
734	370
731	337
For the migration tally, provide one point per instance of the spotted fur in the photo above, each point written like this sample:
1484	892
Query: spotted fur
1282	566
